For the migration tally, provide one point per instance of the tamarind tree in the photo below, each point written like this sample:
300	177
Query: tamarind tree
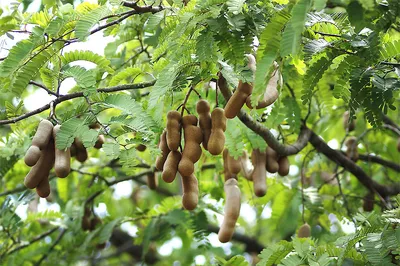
311	132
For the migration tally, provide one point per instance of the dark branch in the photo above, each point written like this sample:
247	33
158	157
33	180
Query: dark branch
35	239
339	158
376	159
43	87
267	135
77	95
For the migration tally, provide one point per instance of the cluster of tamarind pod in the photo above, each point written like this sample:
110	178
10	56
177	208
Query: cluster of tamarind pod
43	154
207	130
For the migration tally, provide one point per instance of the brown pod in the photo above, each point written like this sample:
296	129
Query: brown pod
233	164
272	165
171	166
43	134
271	93
246	166
352	150
81	152
192	150
231	210
43	188
173	130
227	174
86	223
236	102
190	188
368	202
350	126
259	174
94	222
304	231
284	166
32	156
160	160
216	142
94	126
42	168
62	164
203	109
152	180
72	149
100	141
141	147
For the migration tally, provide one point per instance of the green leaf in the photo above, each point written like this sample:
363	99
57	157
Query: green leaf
235	6
84	78
68	131
268	50
356	15
111	150
89	56
127	73
291	37
87	22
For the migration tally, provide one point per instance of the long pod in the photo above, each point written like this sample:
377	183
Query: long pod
81	152
152	180
43	134
216	142
284	166
43	188
173	130
259	174
171	166
227	174
234	165
62	164
192	150
247	166
232	210
32	155
190	188
272	165
42	168
203	109
160	160
236	102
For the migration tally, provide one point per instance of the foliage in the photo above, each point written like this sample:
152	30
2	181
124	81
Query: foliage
125	64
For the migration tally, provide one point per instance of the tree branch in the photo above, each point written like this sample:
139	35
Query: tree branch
35	239
376	159
77	95
43	87
339	158
281	149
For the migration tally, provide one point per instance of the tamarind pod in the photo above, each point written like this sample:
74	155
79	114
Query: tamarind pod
152	180
62	163
368	202
190	188
32	156
346	119
160	160
95	221
284	166
43	134
101	245
72	149
81	152
94	126
216	142
272	165
239	97
43	188
271	93
173	130
246	166
192	150
141	147
233	164
259	174
352	150
231	210
203	109
227	174
304	231
86	223
42	168
99	142
171	166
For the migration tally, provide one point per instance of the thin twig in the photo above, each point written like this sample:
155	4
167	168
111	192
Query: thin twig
60	236
43	87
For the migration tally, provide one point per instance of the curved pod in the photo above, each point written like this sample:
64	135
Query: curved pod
171	166
259	174
203	109
239	97
173	130
43	134
160	160
62	164
216	142
231	210
272	165
190	188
